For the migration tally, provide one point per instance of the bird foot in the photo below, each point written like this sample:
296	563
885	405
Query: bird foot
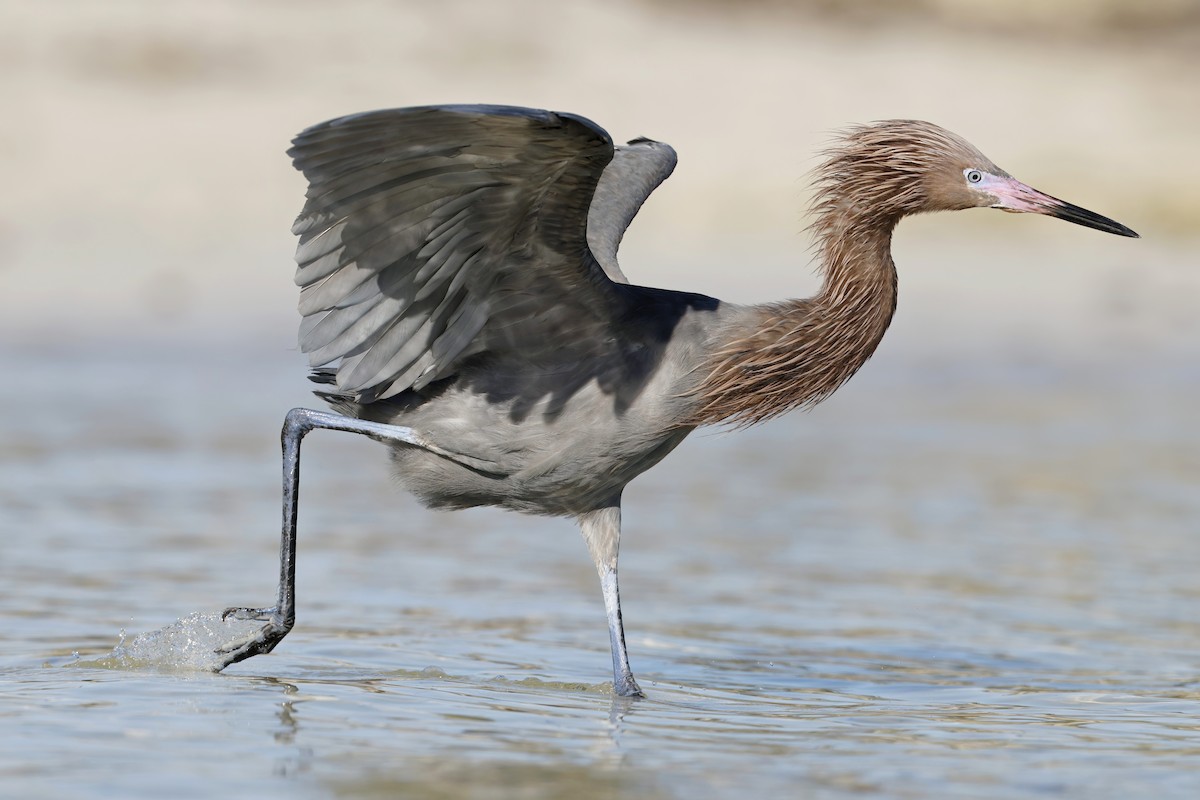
626	686
250	614
261	641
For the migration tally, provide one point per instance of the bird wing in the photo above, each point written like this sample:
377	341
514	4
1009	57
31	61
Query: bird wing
432	234
636	170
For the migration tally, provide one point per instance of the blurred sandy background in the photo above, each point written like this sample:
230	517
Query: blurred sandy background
146	196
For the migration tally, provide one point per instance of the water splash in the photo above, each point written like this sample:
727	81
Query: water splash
188	645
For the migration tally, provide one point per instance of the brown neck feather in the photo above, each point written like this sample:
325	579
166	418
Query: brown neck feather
796	353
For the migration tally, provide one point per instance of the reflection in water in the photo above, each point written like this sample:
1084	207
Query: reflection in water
287	712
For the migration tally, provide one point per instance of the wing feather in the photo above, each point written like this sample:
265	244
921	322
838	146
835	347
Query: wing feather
637	169
434	234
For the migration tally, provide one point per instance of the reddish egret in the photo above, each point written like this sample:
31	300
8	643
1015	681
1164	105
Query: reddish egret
462	302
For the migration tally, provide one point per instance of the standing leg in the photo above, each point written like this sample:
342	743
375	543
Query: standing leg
602	532
280	618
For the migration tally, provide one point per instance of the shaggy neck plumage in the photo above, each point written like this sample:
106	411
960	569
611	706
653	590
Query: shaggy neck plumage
796	353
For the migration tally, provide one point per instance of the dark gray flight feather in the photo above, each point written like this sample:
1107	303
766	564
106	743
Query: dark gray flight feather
434	234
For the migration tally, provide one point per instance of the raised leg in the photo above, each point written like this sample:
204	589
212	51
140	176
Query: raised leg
282	616
602	532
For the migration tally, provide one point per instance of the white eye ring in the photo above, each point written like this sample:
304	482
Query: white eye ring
973	175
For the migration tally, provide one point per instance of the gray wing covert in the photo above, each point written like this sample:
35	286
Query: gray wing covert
636	170
435	233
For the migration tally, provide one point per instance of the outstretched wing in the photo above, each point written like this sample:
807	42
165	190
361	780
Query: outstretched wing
432	234
636	170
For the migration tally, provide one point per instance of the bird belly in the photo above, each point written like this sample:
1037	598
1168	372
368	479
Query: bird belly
564	464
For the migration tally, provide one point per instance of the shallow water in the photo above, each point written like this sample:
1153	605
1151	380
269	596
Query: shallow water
946	582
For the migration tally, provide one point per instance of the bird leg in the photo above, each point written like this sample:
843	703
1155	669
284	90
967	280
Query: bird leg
282	616
602	533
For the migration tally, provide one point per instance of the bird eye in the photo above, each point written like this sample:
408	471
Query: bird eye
974	176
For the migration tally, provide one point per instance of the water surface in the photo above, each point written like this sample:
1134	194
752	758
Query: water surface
948	581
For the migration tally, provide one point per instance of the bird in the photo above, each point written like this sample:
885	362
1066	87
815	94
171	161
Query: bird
461	302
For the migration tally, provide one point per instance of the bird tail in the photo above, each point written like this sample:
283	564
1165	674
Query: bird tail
340	402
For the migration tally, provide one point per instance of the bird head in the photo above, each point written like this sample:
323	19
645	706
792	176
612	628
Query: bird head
898	167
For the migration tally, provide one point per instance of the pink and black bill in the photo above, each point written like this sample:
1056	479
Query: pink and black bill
1088	219
1012	195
